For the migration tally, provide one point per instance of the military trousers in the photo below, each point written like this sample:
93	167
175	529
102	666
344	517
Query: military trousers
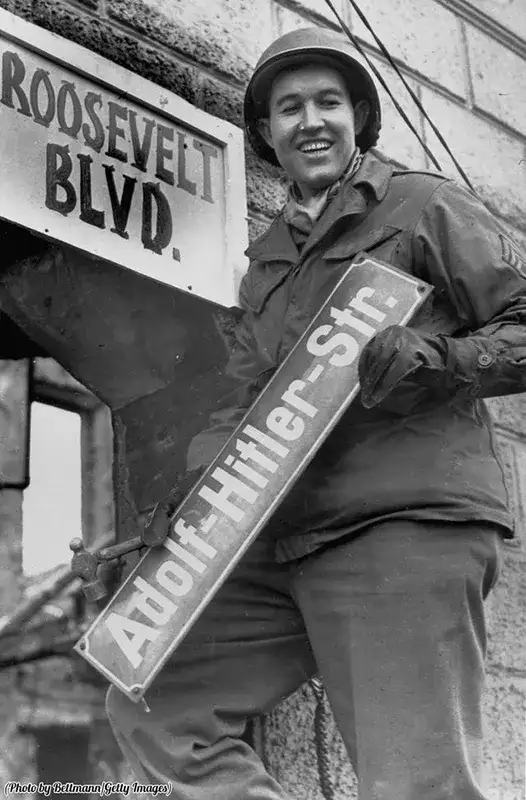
393	622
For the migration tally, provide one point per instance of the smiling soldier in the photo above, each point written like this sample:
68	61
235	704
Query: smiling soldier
374	570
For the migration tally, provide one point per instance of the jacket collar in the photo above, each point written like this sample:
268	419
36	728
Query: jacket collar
374	174
277	244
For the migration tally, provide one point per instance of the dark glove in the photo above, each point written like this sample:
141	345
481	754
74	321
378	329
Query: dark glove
157	525
442	365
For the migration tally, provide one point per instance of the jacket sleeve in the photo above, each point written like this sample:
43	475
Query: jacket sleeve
247	372
475	266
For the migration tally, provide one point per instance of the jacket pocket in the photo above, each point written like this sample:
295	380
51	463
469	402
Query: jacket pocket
361	241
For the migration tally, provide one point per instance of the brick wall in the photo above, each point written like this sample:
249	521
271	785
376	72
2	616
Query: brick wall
466	62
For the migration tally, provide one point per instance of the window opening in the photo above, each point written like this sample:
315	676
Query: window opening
52	513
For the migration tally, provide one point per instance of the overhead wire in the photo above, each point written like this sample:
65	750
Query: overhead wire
407	86
321	716
383	83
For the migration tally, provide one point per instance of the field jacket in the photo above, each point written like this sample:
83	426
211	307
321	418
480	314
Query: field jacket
439	462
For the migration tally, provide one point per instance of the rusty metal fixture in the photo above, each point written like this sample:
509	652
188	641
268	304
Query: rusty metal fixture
85	563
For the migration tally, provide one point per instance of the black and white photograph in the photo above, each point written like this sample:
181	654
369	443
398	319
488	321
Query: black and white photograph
263	399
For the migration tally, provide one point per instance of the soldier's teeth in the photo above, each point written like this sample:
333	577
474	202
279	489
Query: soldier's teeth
315	146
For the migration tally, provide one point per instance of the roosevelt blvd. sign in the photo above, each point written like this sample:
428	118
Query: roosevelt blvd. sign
97	157
155	607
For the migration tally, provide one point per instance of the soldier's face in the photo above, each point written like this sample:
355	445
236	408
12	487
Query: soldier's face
312	126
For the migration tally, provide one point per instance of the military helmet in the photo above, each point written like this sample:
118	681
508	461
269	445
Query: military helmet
302	47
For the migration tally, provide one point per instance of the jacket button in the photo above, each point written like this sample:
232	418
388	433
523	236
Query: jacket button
485	360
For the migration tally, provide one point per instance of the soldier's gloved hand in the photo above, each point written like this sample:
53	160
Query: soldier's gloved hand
439	365
156	527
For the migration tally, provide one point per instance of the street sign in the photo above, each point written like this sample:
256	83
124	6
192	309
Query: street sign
156	606
97	157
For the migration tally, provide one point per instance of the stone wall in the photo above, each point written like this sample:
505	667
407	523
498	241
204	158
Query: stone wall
465	61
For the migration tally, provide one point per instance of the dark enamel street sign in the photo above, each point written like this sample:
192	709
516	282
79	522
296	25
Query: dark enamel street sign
155	607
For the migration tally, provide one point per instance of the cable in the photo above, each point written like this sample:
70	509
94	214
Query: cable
381	80
412	94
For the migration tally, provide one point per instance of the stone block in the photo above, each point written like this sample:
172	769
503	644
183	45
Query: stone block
500	91
512	452
265	185
505	709
509	413
287	19
22	8
224	36
397	142
221	100
506	13
493	158
506	614
291	752
302	13
125	50
420	33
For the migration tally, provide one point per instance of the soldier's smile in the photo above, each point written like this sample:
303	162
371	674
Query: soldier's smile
315	148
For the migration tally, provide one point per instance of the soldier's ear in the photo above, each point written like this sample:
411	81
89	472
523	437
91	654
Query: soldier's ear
361	113
264	130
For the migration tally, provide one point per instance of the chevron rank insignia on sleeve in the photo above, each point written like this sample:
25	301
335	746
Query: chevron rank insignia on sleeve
512	255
